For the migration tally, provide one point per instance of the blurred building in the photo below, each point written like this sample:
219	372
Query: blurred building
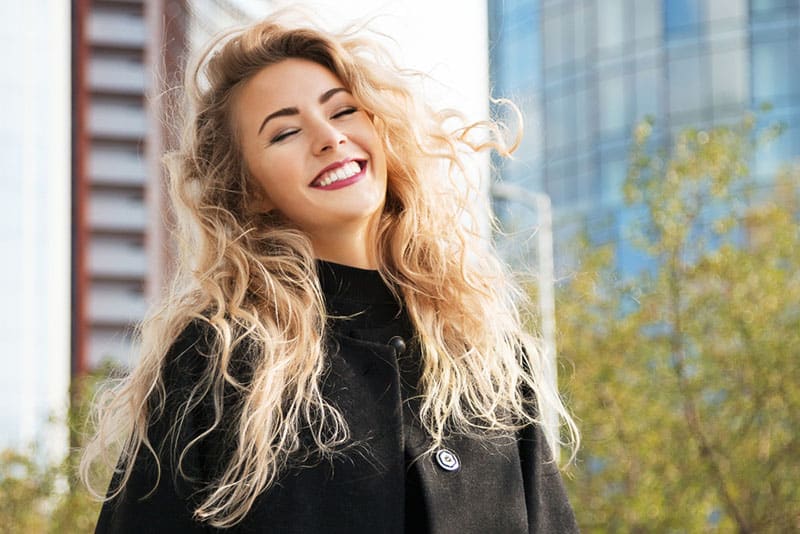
585	71
126	53
118	244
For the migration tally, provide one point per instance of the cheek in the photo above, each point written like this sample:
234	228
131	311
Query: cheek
380	152
265	177
377	145
381	156
282	178
259	184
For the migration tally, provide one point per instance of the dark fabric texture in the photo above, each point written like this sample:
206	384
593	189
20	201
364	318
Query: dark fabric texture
385	484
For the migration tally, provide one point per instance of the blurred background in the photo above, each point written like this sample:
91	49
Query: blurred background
655	196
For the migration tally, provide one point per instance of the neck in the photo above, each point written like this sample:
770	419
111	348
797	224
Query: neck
356	249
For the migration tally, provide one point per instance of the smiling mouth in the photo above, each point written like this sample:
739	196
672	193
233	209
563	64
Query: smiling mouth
346	172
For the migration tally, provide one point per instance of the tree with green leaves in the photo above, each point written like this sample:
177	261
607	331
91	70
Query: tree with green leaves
685	377
42	496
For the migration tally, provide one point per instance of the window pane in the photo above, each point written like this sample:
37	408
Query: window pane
687	86
117	256
116	303
114	345
119	164
557	182
117	27
726	9
583	123
114	117
117	212
681	17
560	115
772	75
647	19
585	177
579	31
612	104
553	39
115	72
517	51
648	93
610	17
729	77
765	6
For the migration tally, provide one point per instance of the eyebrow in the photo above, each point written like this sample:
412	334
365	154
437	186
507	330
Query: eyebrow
285	112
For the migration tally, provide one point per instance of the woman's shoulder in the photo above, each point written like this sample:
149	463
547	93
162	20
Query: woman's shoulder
195	358
186	406
190	354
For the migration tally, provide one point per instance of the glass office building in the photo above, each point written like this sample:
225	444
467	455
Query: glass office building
585	72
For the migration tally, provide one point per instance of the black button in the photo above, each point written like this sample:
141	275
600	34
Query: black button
398	344
447	460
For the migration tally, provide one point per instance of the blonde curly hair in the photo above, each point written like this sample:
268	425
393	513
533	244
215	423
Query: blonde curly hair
250	278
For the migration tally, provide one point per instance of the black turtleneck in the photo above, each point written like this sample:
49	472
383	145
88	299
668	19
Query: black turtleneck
361	305
360	299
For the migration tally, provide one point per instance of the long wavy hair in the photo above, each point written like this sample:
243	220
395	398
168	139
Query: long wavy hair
251	279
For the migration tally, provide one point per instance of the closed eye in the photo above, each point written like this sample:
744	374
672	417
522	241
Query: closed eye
283	135
344	112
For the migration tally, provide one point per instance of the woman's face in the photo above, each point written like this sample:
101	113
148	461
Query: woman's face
313	149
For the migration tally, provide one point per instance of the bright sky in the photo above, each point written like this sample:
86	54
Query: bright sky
446	39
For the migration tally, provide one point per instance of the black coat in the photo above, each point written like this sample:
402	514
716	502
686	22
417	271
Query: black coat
500	486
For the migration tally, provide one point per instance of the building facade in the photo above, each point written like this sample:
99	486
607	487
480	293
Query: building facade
586	71
121	52
127	55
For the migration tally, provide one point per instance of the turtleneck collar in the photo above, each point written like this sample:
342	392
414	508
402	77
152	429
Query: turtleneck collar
359	294
361	306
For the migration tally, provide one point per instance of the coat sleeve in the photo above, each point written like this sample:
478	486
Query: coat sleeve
150	503
549	510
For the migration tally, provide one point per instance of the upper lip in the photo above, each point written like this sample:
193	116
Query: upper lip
336	165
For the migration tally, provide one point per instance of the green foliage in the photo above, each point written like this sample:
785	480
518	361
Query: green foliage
686	377
39	496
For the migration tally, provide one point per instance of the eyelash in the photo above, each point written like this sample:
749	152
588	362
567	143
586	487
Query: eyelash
281	136
345	111
339	114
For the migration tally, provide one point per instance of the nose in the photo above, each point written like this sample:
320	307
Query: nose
328	138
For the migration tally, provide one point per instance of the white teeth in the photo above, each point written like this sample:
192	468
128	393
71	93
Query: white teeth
347	170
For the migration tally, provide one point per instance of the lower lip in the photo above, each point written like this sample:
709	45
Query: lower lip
344	183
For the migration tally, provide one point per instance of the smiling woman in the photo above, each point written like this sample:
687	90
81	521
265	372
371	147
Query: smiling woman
338	352
318	158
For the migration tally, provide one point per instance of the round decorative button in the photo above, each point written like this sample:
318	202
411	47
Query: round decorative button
398	344
447	460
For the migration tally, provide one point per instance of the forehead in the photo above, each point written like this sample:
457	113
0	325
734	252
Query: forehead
291	82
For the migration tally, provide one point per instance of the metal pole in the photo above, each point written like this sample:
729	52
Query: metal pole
540	202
